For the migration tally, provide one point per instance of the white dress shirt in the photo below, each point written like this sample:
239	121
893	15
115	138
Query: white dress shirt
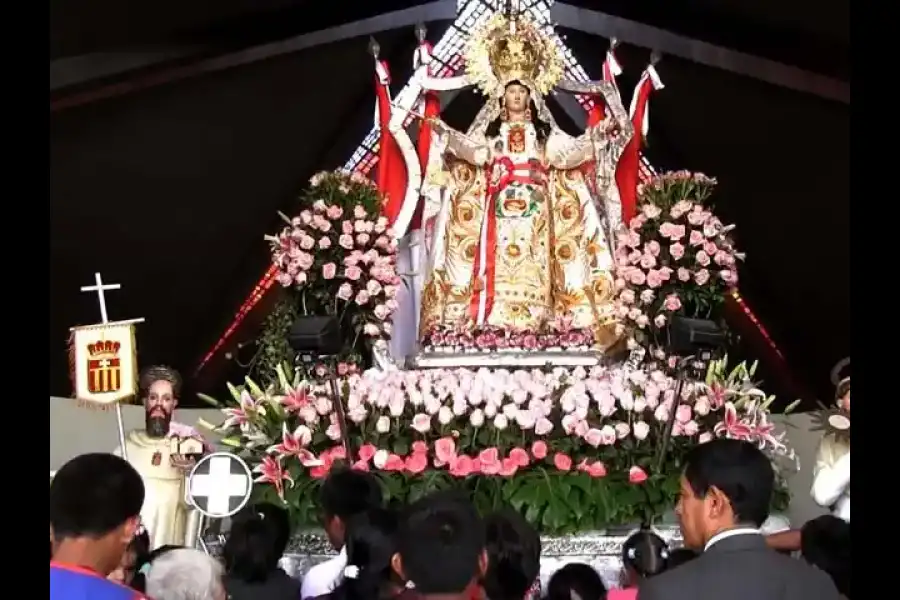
322	578
730	533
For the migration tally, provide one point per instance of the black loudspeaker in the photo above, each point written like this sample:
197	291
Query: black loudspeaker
320	336
688	336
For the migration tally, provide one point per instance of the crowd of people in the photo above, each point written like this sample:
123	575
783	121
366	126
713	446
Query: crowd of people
439	547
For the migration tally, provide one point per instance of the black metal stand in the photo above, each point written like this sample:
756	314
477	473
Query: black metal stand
338	403
681	373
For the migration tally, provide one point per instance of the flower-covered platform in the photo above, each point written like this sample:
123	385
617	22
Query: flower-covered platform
548	422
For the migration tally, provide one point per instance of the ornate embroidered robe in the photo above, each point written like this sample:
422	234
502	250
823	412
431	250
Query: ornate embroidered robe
518	241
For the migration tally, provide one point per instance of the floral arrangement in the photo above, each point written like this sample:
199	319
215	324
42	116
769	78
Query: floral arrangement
487	339
574	449
336	257
675	258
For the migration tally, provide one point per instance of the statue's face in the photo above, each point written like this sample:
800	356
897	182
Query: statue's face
844	402
515	98
159	405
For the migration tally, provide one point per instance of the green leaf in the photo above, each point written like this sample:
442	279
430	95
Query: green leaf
209	400
235	393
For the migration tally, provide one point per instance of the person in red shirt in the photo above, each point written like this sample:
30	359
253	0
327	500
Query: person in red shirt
95	505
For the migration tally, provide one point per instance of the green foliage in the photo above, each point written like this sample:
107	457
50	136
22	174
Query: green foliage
274	349
557	503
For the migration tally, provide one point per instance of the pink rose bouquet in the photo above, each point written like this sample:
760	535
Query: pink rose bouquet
336	257
675	258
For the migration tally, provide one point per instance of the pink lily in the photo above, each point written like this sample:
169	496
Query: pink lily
295	400
763	431
731	426
271	471
717	394
294	444
242	414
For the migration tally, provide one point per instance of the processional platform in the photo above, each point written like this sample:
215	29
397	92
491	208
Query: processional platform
440	358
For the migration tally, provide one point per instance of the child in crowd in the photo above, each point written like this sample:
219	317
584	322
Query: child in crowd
514	557
371	544
576	581
441	548
644	555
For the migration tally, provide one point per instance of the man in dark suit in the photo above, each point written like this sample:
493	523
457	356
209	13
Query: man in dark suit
725	493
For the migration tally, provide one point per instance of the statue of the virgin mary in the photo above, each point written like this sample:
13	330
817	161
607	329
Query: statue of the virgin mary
521	237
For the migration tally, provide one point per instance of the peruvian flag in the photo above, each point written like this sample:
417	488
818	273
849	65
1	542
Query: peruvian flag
429	106
611	70
629	163
391	178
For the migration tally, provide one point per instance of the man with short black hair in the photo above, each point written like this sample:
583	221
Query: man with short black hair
514	557
726	490
441	547
95	505
343	494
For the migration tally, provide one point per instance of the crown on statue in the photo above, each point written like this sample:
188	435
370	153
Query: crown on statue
104	349
506	49
514	57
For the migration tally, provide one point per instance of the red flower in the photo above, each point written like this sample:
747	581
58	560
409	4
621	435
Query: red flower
636	475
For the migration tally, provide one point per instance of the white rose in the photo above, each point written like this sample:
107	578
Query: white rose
641	430
380	458
445	415
476	418
383	425
501	422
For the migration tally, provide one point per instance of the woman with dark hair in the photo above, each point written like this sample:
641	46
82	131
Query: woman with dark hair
576	581
644	555
134	557
254	546
371	544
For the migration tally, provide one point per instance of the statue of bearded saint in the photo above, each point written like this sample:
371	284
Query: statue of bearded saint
164	453
518	242
831	474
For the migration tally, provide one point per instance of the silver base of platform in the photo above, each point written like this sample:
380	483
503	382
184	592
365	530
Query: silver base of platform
444	359
601	550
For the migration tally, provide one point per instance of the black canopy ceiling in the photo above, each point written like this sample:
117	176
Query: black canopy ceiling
168	187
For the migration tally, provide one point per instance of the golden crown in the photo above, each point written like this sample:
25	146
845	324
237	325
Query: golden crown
104	349
512	49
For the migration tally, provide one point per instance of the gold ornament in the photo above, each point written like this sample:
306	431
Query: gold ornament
502	50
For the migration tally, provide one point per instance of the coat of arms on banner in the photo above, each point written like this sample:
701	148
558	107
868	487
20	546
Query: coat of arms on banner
103	360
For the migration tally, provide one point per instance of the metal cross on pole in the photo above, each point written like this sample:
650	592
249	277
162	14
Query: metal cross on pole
101	290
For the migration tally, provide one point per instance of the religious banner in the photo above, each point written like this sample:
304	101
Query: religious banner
103	362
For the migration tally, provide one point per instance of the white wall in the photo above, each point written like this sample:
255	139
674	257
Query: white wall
75	430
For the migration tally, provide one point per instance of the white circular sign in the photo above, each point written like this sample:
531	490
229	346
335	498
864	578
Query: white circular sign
220	485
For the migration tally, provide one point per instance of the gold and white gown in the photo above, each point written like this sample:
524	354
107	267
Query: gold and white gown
518	240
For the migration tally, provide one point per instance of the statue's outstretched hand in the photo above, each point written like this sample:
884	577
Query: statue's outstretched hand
183	462
437	126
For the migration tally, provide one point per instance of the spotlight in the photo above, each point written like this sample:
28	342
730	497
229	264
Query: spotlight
692	336
319	338
316	336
